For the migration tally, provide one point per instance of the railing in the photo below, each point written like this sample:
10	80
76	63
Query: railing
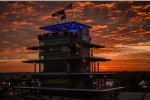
55	41
56	35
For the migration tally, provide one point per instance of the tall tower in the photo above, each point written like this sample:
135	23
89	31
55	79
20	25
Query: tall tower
66	49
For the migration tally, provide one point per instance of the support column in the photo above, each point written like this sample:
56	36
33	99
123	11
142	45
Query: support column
34	67
98	66
94	67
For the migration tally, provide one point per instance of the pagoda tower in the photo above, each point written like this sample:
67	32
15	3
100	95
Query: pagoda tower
66	49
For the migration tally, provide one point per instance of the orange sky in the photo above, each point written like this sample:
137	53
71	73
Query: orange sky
123	27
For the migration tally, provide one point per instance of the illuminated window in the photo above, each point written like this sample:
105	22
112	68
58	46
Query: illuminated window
77	53
51	49
41	67
64	49
41	43
41	57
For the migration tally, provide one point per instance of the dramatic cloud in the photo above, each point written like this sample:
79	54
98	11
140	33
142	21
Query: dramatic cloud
123	27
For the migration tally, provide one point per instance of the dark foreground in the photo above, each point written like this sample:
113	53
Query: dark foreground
136	86
121	96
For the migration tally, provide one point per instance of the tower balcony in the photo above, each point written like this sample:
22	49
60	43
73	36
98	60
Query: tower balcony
76	44
90	59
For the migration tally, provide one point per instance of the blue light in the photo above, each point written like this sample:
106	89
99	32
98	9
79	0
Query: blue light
74	30
70	26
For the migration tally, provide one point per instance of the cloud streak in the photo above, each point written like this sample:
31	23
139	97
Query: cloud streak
123	27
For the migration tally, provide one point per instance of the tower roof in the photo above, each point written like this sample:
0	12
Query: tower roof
64	27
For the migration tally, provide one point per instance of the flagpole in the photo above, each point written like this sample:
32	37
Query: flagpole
72	11
58	19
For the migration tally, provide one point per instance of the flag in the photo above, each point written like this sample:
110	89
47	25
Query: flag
63	17
55	14
69	6
61	12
